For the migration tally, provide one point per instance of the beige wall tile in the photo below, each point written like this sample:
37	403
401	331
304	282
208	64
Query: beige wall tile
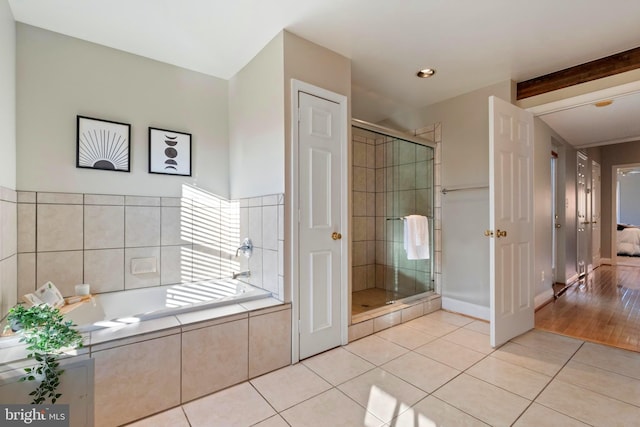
63	269
104	270
59	227
60	198
26	196
8	228
26	273
208	366
255	226
269	342
8	284
26	227
103	227
141	201
103	199
145	280
142	226
387	321
176	226
207	262
206	226
270	270
270	227
136	380
177	264
360	330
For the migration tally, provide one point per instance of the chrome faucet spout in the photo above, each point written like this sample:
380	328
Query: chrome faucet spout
241	274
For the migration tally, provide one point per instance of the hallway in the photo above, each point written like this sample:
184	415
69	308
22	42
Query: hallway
604	309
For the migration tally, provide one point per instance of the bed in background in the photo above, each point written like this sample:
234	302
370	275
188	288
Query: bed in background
628	240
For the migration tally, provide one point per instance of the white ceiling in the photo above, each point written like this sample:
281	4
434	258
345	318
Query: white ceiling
471	43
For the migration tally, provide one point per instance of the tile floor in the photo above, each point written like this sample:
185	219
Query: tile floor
437	370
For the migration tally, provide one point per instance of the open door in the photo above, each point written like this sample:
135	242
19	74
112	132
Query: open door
511	220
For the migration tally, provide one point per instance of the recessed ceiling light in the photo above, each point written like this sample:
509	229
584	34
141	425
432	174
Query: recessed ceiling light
604	103
426	73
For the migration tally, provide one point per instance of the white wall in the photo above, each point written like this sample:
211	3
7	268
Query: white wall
60	77
7	96
257	124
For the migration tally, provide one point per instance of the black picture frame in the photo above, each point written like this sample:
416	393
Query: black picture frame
103	144
170	152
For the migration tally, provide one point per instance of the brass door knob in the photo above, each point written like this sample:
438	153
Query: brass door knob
336	236
488	233
501	233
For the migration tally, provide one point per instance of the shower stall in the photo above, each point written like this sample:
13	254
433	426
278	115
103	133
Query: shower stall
393	177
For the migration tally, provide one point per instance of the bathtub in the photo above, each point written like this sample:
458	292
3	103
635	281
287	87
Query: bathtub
135	305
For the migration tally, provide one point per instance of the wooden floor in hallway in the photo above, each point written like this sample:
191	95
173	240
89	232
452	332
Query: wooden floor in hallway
605	308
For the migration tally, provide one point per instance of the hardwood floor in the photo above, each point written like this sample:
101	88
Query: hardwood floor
605	308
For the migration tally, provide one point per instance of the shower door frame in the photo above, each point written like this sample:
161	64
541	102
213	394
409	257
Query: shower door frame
361	124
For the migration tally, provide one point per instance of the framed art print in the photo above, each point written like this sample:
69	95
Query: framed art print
102	144
169	152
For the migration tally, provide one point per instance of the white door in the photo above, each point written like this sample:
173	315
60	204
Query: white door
582	218
595	214
511	218
320	243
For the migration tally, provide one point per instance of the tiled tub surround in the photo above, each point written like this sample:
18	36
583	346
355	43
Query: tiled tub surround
72	238
147	367
8	250
115	308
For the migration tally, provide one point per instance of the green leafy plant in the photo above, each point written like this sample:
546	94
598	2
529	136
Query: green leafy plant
47	334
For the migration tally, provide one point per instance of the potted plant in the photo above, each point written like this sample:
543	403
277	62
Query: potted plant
47	335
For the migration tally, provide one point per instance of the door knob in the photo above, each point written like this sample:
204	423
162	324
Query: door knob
558	225
336	236
488	233
501	233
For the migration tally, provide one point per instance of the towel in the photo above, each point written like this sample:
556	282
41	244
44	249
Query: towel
416	237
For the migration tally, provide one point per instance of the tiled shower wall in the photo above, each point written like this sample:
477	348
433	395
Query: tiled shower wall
8	257
364	213
407	188
72	238
386	184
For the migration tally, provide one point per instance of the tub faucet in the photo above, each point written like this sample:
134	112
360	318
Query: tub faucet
246	248
241	274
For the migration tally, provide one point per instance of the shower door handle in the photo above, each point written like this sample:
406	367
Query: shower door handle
336	236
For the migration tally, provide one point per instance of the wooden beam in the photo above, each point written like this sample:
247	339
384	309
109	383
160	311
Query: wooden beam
603	67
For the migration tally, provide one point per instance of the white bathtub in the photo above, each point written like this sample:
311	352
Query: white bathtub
116	308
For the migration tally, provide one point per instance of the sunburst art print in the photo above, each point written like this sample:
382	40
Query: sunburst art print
169	152
103	144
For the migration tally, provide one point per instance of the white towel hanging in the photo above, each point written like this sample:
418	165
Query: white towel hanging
416	237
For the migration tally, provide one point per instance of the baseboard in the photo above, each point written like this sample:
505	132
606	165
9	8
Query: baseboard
543	298
466	308
606	261
573	278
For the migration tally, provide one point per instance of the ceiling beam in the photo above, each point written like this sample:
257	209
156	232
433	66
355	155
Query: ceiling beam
603	67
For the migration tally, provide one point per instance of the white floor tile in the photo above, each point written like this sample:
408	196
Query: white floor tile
493	405
382	394
376	350
240	406
338	365
541	416
288	386
431	412
514	378
331	408
422	372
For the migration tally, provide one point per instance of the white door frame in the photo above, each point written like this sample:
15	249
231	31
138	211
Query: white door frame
299	86
614	208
